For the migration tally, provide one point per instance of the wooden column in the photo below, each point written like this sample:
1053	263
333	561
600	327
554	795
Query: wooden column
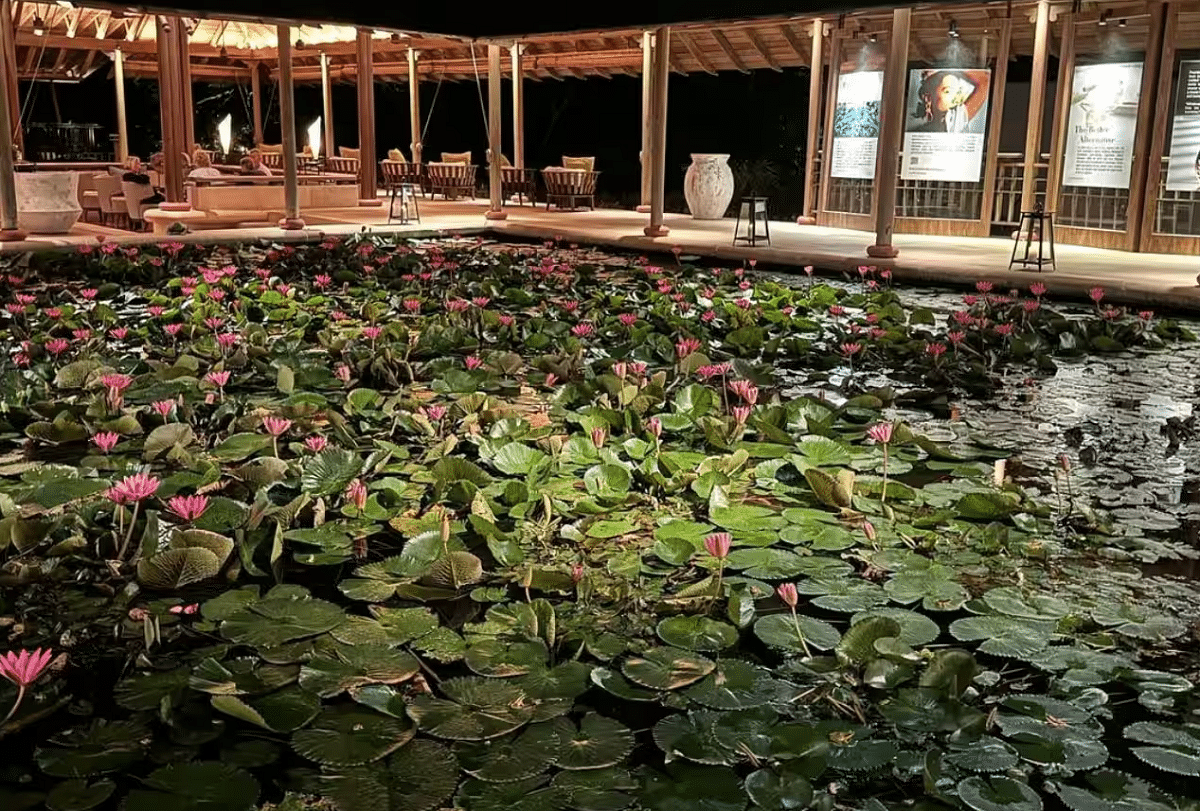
185	79
367	195
287	122
327	108
658	127
1144	176
11	90
1147	241
495	145
831	89
171	100
1062	112
518	96
995	122
891	130
815	111
9	232
1037	101
122	119
414	105
647	156
256	99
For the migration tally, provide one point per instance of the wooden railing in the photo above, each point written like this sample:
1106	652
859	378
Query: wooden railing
1176	213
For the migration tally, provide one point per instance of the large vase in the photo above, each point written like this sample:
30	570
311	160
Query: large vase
708	186
47	202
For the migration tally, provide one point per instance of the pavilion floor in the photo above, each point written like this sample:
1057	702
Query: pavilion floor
1155	280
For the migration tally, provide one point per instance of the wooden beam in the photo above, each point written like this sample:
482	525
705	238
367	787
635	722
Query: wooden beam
762	49
697	54
218	34
794	41
729	50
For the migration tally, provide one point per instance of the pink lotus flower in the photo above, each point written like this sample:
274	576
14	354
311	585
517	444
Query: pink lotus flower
116	382
132	489
718	544
885	274
654	426
89	293
81	334
53	313
56	346
506	320
227	340
1005	329
582	330
435	412
955	337
686	346
173	329
869	530
740	413
184	610
1096	294
412	305
342	372
851	349
577	573
163	407
189	508
106	440
480	301
216	295
276	426
14	309
119	333
570	305
837	310
316	443
935	349
23	669
1038	289
627	319
473	362
963	317
1031	306
1146	315
881	432
598	437
372	333
218	379
457	305
26	299
620	369
970	301
708	315
156	310
322	281
743	303
1113	313
356	494
983	287
876	333
787	593
213	321
551	379
638	368
338	315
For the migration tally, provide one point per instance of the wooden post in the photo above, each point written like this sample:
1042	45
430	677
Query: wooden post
815	111
1144	175
891	130
658	127
171	105
327	107
9	231
1162	125
831	89
647	156
122	120
367	195
256	98
414	105
518	96
287	121
1062	112
495	145
11	89
185	79
1037	101
995	121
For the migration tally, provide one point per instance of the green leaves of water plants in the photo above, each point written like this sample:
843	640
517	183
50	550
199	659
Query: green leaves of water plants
782	790
420	776
79	795
350	666
666	668
475	709
780	631
513	757
200	786
735	685
1176	749
351	737
597	743
998	794
176	568
329	471
97	749
684	787
697	633
273	621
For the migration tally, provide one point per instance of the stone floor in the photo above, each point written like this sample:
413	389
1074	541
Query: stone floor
1138	279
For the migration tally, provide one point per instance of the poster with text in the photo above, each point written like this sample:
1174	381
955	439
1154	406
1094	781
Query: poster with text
946	124
1183	166
856	124
1101	125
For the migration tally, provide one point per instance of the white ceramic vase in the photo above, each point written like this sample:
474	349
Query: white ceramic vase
47	202
708	186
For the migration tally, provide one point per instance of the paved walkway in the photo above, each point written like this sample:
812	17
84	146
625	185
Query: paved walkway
1137	279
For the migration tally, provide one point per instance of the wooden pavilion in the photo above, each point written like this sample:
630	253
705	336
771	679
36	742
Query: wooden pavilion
1150	211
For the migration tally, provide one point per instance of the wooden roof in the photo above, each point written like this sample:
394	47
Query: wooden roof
77	40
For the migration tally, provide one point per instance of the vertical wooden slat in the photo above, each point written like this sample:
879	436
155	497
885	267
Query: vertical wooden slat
891	131
647	156
1062	113
327	108
11	87
366	119
414	106
815	111
1037	102
256	100
995	124
287	121
518	97
188	121
1150	107
658	122
122	119
835	68
8	183
495	94
1162	123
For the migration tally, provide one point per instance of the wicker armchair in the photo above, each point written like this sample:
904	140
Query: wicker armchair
451	179
566	187
395	173
521	183
342	166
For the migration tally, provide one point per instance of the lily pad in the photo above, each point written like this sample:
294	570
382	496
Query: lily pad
666	668
697	633
351	737
420	776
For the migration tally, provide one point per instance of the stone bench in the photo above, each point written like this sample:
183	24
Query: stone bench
221	202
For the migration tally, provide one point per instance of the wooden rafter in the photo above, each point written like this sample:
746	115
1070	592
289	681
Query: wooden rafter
218	34
697	54
762	49
794	42
729	50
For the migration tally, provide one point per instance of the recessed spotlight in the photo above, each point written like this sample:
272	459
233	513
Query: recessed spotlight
1104	15
952	32
39	26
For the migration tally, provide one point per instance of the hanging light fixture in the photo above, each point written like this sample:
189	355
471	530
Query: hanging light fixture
1121	24
873	39
952	31
1104	15
39	27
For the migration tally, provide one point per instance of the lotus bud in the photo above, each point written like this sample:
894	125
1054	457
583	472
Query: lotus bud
598	437
787	593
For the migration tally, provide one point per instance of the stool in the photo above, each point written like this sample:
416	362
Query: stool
1043	221
751	210
407	193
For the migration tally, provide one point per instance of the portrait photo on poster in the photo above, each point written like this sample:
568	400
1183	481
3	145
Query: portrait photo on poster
946	124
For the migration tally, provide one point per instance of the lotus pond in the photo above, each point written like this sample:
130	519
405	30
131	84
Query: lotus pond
496	527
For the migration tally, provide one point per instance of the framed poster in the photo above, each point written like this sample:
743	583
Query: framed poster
946	124
1101	125
856	124
1183	166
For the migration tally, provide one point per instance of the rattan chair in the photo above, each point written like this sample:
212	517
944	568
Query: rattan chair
451	180
566	187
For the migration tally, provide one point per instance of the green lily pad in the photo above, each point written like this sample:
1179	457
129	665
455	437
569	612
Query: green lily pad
197	786
476	709
684	787
513	757
735	685
79	795
666	668
779	631
998	794
420	776
697	633
351	737
597	743
782	790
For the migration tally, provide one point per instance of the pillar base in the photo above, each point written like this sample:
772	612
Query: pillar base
291	224
656	231
806	221
12	235
371	202
495	215
643	209
882	251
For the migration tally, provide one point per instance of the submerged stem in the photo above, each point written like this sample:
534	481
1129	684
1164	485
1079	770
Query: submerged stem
799	633
883	493
16	704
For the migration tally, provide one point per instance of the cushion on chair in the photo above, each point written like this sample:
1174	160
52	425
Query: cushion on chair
271	149
397	156
347	152
586	164
456	157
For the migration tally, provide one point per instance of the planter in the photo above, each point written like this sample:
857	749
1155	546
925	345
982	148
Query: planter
708	186
47	202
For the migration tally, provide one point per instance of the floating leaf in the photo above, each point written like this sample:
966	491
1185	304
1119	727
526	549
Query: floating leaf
511	758
419	777
697	633
598	742
79	795
779	631
175	568
476	709
684	787
198	786
735	685
285	710
666	668
329	471
998	794
351	737
455	570
782	790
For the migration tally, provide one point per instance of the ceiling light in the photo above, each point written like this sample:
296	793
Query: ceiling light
299	44
396	38
1121	24
873	39
952	32
1104	16
39	26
